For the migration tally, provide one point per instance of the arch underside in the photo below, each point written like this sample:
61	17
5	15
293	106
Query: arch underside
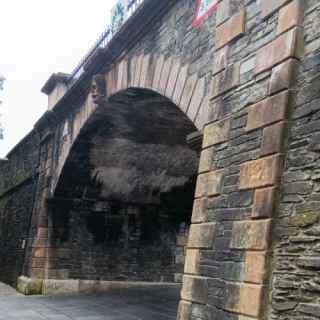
123	203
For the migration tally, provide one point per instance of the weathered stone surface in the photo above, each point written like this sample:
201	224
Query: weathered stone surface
195	289
304	219
157	72
226	80
283	75
215	133
192	264
309	309
291	15
251	300
223	11
231	29
206	160
188	92
309	262
251	235
209	184
268	111
245	299
202	116
165	75
264	203
255	267
174	72
201	235
288	45
137	72
260	173
220	60
270	6
184	311
28	286
144	71
273	139
199	212
54	287
196	100
183	73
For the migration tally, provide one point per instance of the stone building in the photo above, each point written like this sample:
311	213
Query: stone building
185	148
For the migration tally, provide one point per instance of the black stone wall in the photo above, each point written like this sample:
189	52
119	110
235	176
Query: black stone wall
17	191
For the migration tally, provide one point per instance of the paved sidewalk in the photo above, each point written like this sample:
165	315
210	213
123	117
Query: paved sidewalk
118	304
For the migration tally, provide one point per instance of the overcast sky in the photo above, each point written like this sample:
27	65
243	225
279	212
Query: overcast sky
38	38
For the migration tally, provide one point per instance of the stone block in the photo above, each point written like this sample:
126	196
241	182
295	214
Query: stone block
157	72
206	159
226	80
231	29
223	11
201	235
195	289
283	76
268	111
255	267
112	80
144	71
188	92
264	203
174	72
290	16
288	45
268	7
137	72
202	116
260	173
182	77
309	263
184	310
29	286
209	184
245	299
273	139
251	300
220	60
196	100
310	309
251	235
54	287
192	262
199	211
215	133
165	75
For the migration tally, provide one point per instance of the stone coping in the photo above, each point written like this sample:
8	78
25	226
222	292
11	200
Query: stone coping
31	286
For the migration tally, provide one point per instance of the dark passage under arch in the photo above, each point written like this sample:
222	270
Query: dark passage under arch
123	204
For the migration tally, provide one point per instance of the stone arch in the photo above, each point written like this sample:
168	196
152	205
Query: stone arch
131	150
166	76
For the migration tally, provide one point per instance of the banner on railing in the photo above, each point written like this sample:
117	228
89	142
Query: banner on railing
119	14
203	9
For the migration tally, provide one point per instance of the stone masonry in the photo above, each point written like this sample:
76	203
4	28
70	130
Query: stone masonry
247	81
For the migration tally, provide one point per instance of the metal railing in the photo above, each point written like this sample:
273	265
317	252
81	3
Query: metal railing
102	42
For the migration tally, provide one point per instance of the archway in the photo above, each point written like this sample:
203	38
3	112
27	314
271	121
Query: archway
123	204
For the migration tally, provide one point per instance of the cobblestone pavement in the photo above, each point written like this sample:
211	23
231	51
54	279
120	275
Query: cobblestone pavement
118	304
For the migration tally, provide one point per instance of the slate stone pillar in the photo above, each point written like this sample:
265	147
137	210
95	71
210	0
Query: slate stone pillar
230	244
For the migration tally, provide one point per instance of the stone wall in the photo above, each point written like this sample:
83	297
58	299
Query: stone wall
295	282
123	204
17	192
259	46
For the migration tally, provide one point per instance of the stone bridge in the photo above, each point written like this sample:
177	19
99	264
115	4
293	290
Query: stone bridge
182	153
